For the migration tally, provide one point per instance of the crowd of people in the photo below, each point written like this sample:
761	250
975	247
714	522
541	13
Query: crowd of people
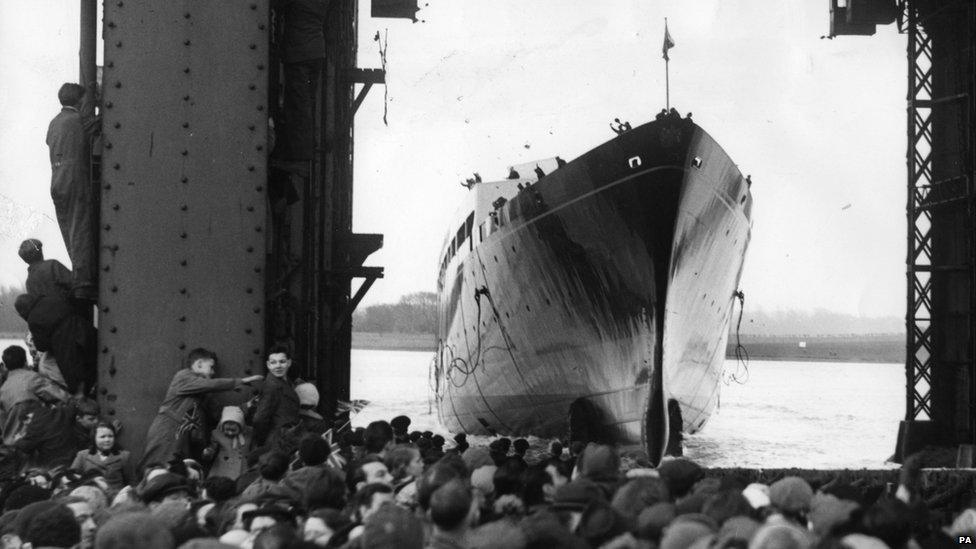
273	473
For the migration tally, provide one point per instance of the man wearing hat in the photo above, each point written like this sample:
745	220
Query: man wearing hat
165	487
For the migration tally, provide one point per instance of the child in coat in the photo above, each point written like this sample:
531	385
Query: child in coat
230	444
105	457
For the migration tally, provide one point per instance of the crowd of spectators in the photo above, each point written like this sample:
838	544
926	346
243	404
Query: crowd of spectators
313	483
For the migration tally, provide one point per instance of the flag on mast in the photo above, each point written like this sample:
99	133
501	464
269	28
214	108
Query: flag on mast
668	42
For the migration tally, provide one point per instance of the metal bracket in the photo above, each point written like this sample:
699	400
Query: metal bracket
367	77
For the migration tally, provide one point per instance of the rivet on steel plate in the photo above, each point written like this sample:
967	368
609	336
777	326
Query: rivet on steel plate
118	84
261	67
105	268
111	24
247	330
113	329
115	289
183	264
118	44
250	168
116	166
186	98
186	124
257	310
257	351
259	188
183	290
253	46
250	249
108	104
110	64
182	345
259	147
252	87
183	207
257	269
260	107
108	186
183	235
186	70
184	179
250	208
186	42
254	6
105	350
257	229
250	127
117	125
115	207
105	309
182	319
249	290
186	15
115	247
184	152
108	227
112	370
108	145
261	26
120	4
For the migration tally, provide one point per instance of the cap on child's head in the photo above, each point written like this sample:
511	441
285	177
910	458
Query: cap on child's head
233	414
30	250
308	395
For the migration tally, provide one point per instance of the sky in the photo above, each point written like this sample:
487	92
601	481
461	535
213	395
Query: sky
478	86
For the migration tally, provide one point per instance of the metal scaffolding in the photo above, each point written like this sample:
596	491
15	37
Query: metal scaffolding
941	260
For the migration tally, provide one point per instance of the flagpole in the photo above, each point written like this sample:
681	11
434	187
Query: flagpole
667	72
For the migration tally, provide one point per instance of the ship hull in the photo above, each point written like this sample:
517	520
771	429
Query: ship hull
599	297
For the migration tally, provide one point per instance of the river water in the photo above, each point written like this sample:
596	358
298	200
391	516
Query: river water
787	414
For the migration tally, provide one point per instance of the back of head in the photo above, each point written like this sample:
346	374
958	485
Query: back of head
378	435
638	494
682	535
450	505
791	495
392	527
273	465
219	489
128	530
278	536
31	251
599	462
508	477
25	495
889	520
55	527
432	479
400	424
70	94
326	491
679	475
779	536
14	357
313	450
725	505
652	521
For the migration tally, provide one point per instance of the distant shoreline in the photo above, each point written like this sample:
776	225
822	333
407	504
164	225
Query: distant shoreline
888	348
883	348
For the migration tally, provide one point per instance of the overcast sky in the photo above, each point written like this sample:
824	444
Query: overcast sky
479	86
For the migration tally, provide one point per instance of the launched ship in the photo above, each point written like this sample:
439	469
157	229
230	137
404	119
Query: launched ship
593	297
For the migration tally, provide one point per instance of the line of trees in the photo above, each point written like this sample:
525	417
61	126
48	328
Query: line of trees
416	313
10	321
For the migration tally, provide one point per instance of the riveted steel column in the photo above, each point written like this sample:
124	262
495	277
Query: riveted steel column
183	199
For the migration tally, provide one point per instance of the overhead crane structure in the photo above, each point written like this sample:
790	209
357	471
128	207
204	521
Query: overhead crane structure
940	369
206	239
